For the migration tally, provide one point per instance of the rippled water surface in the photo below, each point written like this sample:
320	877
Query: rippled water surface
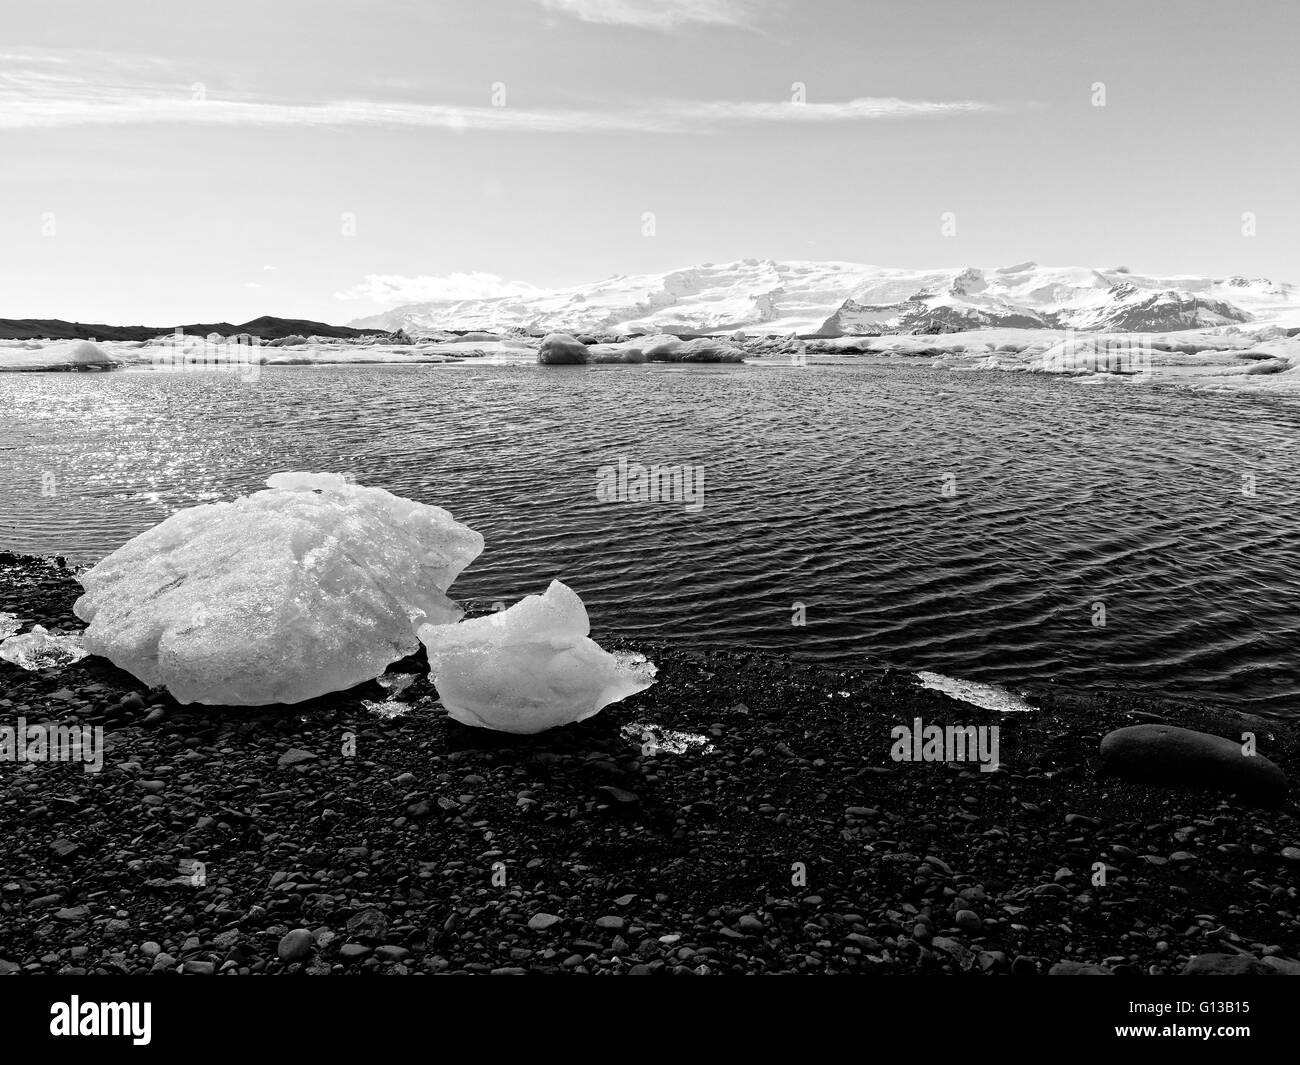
823	486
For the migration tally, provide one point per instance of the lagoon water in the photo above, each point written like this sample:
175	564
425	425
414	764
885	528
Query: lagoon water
1001	527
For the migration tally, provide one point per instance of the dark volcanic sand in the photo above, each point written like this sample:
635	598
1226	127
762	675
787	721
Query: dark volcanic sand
675	863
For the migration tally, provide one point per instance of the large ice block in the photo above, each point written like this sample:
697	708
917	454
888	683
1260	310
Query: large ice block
531	667
312	586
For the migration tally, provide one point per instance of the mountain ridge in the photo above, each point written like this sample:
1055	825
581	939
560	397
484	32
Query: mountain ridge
266	327
842	298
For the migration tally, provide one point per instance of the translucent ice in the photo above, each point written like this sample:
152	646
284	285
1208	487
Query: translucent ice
392	706
654	739
530	667
9	624
39	649
986	696
312	586
388	709
396	683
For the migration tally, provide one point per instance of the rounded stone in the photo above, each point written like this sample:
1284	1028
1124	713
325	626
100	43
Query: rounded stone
1171	757
295	946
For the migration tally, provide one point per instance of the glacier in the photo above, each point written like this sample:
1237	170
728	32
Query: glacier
311	586
771	297
1210	332
529	667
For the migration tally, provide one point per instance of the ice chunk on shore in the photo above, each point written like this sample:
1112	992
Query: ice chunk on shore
531	667
654	739
985	696
312	586
40	649
9	624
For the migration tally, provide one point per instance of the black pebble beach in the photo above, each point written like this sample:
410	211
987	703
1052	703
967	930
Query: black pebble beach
326	838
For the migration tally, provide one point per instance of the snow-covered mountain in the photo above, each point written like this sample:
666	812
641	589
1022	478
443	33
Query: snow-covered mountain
832	298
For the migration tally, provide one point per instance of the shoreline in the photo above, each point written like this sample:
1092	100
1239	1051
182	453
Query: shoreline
794	845
1197	359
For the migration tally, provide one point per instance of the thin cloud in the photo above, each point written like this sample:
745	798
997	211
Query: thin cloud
722	112
670	117
42	99
659	14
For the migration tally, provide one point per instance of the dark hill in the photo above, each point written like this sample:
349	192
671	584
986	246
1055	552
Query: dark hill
266	327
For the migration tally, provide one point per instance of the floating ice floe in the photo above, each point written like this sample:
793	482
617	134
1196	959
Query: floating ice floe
987	696
312	586
58	355
40	649
530	667
560	349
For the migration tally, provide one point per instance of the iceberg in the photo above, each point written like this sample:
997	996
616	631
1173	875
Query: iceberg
59	355
531	667
312	586
40	649
560	349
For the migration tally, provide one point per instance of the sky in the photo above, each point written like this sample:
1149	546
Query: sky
178	162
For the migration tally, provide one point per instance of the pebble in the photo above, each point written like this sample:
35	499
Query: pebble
540	922
295	946
352	851
368	924
1227	965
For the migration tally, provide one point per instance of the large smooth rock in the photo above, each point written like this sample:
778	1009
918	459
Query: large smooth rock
560	349
311	587
531	667
1227	965
1177	757
1078	968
